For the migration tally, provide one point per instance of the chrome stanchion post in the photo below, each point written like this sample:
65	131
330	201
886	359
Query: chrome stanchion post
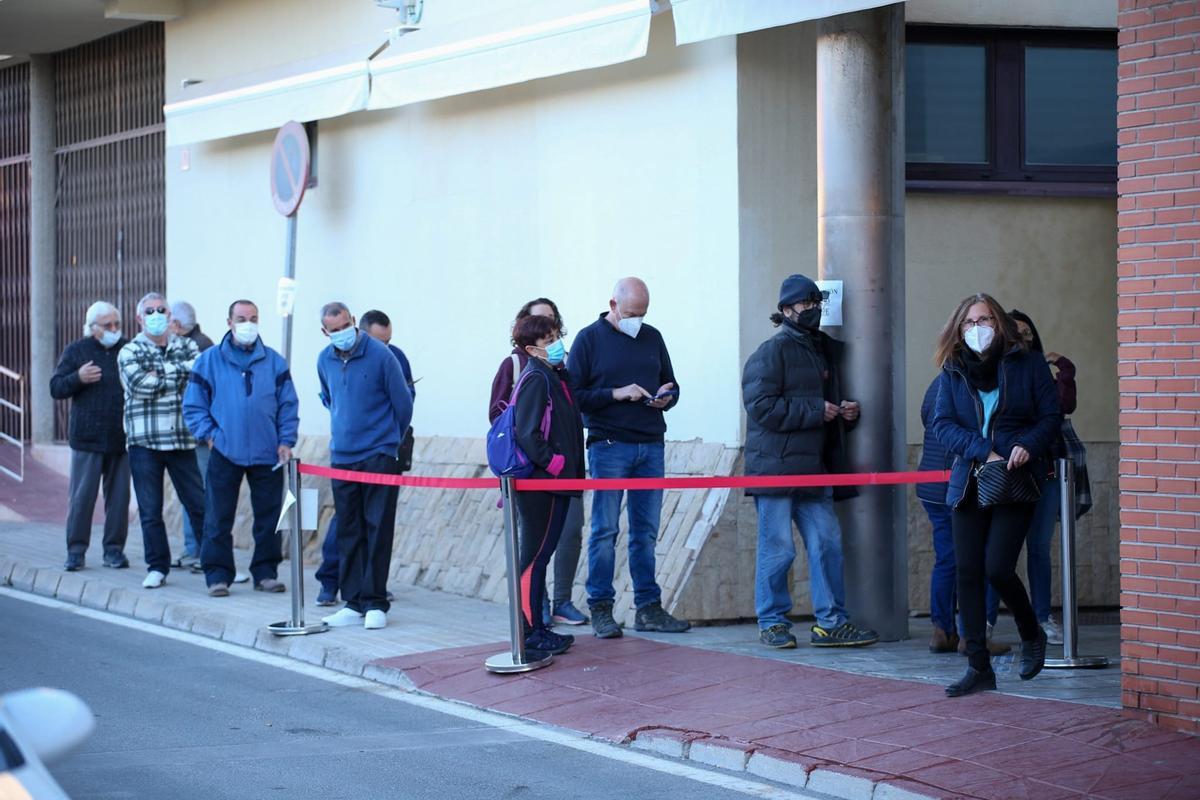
296	625
516	660
1066	512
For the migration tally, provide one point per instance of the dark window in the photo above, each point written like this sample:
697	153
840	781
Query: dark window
1011	110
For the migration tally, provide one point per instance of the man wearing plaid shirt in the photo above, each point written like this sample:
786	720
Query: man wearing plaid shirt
154	372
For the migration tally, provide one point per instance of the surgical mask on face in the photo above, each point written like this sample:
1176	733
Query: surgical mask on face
809	318
979	338
156	324
630	326
109	338
344	339
245	332
556	352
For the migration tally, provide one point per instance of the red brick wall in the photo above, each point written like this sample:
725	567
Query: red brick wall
1159	358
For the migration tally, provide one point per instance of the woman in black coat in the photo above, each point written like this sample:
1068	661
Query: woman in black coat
996	402
549	430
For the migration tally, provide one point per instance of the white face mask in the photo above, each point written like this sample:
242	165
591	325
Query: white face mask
109	338
245	332
630	326
979	338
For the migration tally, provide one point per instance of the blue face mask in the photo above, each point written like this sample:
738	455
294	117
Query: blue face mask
344	339
556	352
156	324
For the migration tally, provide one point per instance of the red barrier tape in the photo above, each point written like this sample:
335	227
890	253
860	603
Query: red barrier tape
713	482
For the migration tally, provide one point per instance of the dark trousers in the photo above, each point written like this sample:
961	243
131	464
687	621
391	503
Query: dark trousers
147	467
566	555
541	516
223	483
327	573
986	545
366	526
89	472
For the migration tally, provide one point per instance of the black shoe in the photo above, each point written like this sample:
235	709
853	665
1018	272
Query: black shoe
74	562
655	618
972	681
1033	655
116	561
564	640
603	624
844	635
777	636
545	641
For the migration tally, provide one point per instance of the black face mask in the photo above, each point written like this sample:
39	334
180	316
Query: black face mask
809	319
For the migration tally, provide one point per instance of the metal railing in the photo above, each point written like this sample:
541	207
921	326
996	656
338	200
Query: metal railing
18	408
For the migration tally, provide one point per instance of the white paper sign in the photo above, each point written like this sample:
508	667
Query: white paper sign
285	521
308	509
831	302
286	296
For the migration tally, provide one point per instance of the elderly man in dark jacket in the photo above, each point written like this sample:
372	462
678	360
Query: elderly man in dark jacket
796	422
87	374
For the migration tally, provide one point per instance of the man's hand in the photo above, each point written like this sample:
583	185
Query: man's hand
662	402
831	411
210	444
850	410
285	453
631	393
1018	458
89	373
1052	357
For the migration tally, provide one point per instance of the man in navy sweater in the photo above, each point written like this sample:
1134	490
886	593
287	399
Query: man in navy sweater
370	406
622	375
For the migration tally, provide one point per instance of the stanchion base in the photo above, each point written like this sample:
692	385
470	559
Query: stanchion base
1079	662
504	664
286	628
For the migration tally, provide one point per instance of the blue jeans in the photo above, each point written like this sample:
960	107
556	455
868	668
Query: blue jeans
943	595
191	544
609	459
224	483
327	573
1041	534
147	466
822	536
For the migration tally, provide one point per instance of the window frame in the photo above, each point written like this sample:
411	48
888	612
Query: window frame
1006	171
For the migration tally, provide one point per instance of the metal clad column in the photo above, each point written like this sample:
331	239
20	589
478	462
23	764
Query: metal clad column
42	355
860	219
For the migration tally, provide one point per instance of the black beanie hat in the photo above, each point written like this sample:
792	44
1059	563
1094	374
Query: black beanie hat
797	289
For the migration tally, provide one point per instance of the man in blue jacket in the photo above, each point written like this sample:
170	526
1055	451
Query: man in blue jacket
370	407
242	402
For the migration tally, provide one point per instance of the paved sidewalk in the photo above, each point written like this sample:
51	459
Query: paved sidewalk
724	703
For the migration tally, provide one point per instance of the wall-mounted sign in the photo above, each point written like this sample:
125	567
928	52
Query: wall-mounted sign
831	302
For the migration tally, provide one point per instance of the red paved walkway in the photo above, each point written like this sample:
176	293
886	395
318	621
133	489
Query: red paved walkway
984	746
43	495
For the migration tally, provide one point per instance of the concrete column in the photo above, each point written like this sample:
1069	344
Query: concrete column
860	240
41	246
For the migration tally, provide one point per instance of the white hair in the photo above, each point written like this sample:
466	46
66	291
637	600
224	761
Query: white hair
184	314
98	309
150	296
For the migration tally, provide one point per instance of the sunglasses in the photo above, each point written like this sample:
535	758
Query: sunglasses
147	311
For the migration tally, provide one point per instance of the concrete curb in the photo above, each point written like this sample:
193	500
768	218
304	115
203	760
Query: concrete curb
833	780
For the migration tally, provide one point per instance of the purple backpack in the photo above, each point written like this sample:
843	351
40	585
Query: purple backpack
505	457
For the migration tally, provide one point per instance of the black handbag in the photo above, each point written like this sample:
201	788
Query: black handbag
998	485
405	454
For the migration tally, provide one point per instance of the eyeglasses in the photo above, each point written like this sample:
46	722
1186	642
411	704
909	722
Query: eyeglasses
987	322
147	311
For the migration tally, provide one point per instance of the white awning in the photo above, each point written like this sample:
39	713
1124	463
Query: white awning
698	20
536	40
316	89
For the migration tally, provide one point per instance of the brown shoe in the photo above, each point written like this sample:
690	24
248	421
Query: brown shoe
270	585
218	590
942	642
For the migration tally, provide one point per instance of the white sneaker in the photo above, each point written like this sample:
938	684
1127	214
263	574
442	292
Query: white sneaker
241	577
1054	631
154	579
344	617
375	620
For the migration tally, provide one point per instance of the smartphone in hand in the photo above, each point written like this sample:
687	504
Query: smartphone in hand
661	395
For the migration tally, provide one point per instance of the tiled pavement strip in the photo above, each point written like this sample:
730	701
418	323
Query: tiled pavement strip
715	701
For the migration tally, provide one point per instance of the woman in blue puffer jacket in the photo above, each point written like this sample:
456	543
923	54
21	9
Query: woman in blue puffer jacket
996	401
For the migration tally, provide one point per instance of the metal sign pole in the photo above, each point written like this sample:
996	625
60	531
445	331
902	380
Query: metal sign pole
296	625
516	660
289	272
1071	658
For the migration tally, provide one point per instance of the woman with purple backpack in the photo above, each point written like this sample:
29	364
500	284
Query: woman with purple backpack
548	428
557	607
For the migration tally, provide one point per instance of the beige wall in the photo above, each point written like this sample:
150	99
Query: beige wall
1051	257
1021	13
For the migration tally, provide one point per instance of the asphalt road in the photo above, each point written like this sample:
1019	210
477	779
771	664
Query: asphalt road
178	721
